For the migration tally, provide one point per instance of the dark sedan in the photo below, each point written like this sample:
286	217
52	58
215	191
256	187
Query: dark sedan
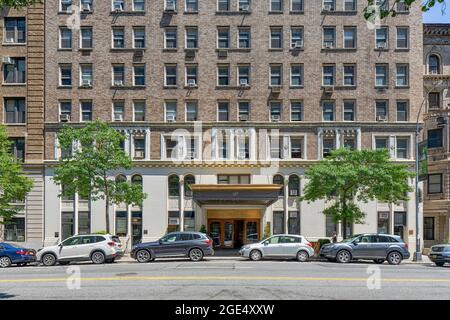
10	255
376	247
193	245
440	254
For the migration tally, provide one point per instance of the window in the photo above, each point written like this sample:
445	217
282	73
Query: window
402	111
139	37
328	110
402	6
293	224
223	109
329	5
381	74
381	110
381	143
244	5
434	100
171	148
86	111
276	147
296	111
118	110
435	138
349	75
349	110
278	222
329	37
223	38
276	5
15	230
243	75
65	38
222	143
278	179
86	5
121	223
138	5
139	75
139	147
86	74
402	147
191	111
118	5
349	5
328	145
86	38
244	38
15	30
244	110
383	223
428	228
170	5
191	38
383	4
171	110
296	37
402	75
191	5
330	226
223	75
84	224
434	183
18	148
233	179
65	75
328	75
275	75
170	36
65	6
275	110
171	75
296	5
118	75
15	110
296	147
223	5
189	221
139	110
349	143
349	37
296	75
65	108
15	71
174	186
434	65
118	38
276	38
243	146
191	75
402	38
381	38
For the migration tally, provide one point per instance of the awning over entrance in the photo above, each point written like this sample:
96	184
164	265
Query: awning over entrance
232	194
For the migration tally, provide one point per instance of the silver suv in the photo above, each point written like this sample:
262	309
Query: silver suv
96	248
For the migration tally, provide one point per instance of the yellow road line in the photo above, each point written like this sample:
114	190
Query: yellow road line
219	278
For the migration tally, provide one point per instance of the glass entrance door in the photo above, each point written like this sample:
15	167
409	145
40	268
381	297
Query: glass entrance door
67	225
228	236
136	227
215	232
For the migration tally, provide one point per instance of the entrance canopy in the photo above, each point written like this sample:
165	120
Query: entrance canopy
235	194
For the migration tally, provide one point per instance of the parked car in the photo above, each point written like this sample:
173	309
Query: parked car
376	247
10	254
282	246
194	245
440	254
96	248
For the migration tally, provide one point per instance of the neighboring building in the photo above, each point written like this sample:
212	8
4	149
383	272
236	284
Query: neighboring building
22	112
436	222
310	70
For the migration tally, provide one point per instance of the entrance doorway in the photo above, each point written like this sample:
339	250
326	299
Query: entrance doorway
136	227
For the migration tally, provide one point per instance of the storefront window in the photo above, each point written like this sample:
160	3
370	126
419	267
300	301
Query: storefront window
278	222
174	221
383	222
84	222
330	226
251	233
15	230
428	228
189	221
121	223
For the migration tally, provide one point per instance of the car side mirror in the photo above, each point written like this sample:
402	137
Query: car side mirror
60	245
160	241
266	243
355	243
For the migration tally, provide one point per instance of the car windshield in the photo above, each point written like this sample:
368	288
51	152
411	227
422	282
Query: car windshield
351	239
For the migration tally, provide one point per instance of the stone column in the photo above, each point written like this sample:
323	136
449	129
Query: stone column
286	204
181	206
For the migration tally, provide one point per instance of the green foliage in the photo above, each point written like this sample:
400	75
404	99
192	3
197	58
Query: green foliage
101	232
426	5
14	184
17	4
202	229
95	153
347	176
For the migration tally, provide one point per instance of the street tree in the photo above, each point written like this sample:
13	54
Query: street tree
391	10
14	184
350	176
17	4
89	156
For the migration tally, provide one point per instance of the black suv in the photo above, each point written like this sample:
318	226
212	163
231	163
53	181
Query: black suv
194	245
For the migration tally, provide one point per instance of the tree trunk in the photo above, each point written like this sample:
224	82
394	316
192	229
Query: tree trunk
344	228
107	214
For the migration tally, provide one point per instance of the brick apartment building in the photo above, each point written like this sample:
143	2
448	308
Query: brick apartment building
22	112
436	117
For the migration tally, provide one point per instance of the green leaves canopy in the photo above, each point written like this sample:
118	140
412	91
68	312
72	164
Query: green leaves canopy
14	184
18	4
426	5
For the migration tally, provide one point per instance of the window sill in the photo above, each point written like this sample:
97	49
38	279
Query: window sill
276	12
65	49
170	87
381	88
14	44
401	87
64	87
170	49
381	50
191	88
232	13
296	87
191	12
339	12
275	50
339	49
85	87
15	124
297	12
14	84
128	13
85	49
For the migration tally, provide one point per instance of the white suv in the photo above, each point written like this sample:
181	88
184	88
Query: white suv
96	248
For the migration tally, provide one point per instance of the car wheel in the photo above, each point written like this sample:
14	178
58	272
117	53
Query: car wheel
143	256
302	256
64	263
440	264
378	261
255	255
196	254
343	256
5	262
394	258
48	260
98	257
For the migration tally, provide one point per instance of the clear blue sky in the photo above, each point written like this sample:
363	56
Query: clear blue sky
435	15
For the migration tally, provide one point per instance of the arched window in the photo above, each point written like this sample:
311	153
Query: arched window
188	181
278	179
136	180
433	64
121	178
294	185
174	186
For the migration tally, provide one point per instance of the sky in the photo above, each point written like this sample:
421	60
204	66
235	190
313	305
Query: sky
435	15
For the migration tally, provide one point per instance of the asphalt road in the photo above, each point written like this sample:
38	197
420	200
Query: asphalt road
227	279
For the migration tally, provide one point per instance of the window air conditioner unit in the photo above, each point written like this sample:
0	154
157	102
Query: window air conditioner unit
243	117
118	117
7	60
243	82
275	117
86	83
293	192
170	6
276	89
118	8
381	45
381	118
297	44
328	89
245	7
139	53
328	44
170	118
222	53
139	154
118	83
327	7
174	221
192	83
441	121
64	117
86	7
